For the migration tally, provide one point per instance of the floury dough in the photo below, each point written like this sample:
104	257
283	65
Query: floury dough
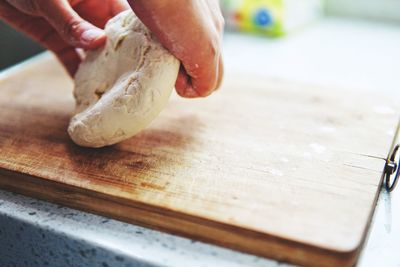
122	87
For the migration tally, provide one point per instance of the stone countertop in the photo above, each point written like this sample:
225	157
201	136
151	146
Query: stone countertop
334	52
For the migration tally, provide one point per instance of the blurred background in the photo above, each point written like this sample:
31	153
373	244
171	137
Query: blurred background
269	18
15	47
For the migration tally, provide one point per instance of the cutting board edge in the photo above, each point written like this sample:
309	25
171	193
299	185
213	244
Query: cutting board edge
240	239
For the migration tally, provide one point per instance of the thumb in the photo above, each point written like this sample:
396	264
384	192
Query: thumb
70	26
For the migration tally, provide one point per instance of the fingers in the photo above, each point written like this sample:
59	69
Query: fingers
181	81
206	70
200	79
47	36
103	12
8	12
184	84
70	26
58	27
41	31
203	76
196	44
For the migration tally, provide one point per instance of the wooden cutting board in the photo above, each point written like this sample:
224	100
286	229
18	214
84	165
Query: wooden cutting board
277	169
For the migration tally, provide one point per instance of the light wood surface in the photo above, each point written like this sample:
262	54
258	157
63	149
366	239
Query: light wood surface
277	169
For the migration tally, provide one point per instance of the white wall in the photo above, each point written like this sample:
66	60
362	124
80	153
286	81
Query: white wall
386	10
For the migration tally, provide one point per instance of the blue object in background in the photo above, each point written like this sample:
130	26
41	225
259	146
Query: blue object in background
262	17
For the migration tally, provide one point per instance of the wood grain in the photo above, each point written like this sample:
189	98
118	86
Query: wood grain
273	168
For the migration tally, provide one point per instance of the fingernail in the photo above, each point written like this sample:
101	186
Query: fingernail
91	35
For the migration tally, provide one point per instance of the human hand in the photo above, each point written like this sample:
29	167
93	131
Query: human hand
192	31
62	25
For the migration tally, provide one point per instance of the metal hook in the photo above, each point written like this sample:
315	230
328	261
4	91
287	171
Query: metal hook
391	167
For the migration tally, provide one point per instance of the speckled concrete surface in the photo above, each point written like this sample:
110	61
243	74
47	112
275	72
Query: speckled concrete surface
66	237
37	233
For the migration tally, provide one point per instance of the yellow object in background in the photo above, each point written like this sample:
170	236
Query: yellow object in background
270	17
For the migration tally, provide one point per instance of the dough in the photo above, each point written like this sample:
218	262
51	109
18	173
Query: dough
122	87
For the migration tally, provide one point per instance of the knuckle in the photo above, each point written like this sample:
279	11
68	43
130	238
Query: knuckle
70	29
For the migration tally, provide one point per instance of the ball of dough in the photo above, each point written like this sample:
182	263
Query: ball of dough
121	87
